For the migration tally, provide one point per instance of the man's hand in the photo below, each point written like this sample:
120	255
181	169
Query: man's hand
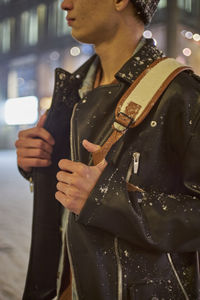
76	180
34	147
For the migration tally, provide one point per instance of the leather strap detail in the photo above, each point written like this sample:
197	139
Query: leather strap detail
139	99
158	94
142	95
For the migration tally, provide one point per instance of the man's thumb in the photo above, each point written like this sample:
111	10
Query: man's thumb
42	120
90	147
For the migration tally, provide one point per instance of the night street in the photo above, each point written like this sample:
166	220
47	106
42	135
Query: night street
15	227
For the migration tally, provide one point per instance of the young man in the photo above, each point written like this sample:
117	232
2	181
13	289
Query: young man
116	243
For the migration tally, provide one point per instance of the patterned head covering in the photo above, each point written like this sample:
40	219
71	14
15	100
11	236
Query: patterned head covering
145	9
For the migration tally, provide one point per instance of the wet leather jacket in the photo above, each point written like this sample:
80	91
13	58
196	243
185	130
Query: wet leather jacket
123	245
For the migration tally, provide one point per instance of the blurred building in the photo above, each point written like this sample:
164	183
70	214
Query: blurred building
177	28
35	39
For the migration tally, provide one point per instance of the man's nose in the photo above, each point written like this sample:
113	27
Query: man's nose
66	5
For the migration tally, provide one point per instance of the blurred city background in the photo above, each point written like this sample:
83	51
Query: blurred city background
34	40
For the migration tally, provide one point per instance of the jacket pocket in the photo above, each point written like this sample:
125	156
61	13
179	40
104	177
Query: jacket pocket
155	289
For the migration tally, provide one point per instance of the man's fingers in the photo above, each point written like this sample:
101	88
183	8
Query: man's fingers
71	166
25	163
34	147
70	198
33	153
64	177
90	147
37	132
61	198
34	143
73	180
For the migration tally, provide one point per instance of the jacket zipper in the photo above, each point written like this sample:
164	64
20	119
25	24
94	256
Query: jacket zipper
119	269
71	138
136	160
74	288
134	165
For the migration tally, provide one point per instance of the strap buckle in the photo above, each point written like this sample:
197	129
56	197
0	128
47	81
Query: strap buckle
124	120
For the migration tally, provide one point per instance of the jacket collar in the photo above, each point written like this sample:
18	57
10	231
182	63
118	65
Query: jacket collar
140	61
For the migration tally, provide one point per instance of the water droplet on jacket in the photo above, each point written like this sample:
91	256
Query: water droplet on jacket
62	76
153	123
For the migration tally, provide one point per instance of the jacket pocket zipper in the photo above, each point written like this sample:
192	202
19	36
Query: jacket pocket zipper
136	161
134	165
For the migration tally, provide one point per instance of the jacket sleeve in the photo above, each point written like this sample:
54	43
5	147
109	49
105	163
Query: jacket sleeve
151	220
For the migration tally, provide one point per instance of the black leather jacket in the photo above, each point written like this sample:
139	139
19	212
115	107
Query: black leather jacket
123	245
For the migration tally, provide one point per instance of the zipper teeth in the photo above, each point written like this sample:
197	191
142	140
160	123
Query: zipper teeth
119	269
177	276
198	274
71	125
74	288
73	282
63	249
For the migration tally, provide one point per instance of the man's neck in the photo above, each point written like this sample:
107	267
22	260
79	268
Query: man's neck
114	53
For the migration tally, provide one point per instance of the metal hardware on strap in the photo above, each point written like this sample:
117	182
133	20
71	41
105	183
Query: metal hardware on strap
139	99
124	120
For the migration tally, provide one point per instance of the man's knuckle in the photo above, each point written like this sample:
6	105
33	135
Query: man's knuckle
70	192
40	152
73	193
74	180
40	143
37	162
82	168
37	152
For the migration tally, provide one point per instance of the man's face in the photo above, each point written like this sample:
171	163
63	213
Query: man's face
92	21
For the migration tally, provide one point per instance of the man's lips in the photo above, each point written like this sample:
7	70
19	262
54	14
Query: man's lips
70	20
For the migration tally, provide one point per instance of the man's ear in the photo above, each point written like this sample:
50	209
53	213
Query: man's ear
121	4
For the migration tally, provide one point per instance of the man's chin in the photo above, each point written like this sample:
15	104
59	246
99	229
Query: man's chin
82	38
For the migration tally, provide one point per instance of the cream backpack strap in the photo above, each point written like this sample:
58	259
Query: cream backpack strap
139	99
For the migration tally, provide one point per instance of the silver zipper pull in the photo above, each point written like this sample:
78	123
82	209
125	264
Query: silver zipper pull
136	160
